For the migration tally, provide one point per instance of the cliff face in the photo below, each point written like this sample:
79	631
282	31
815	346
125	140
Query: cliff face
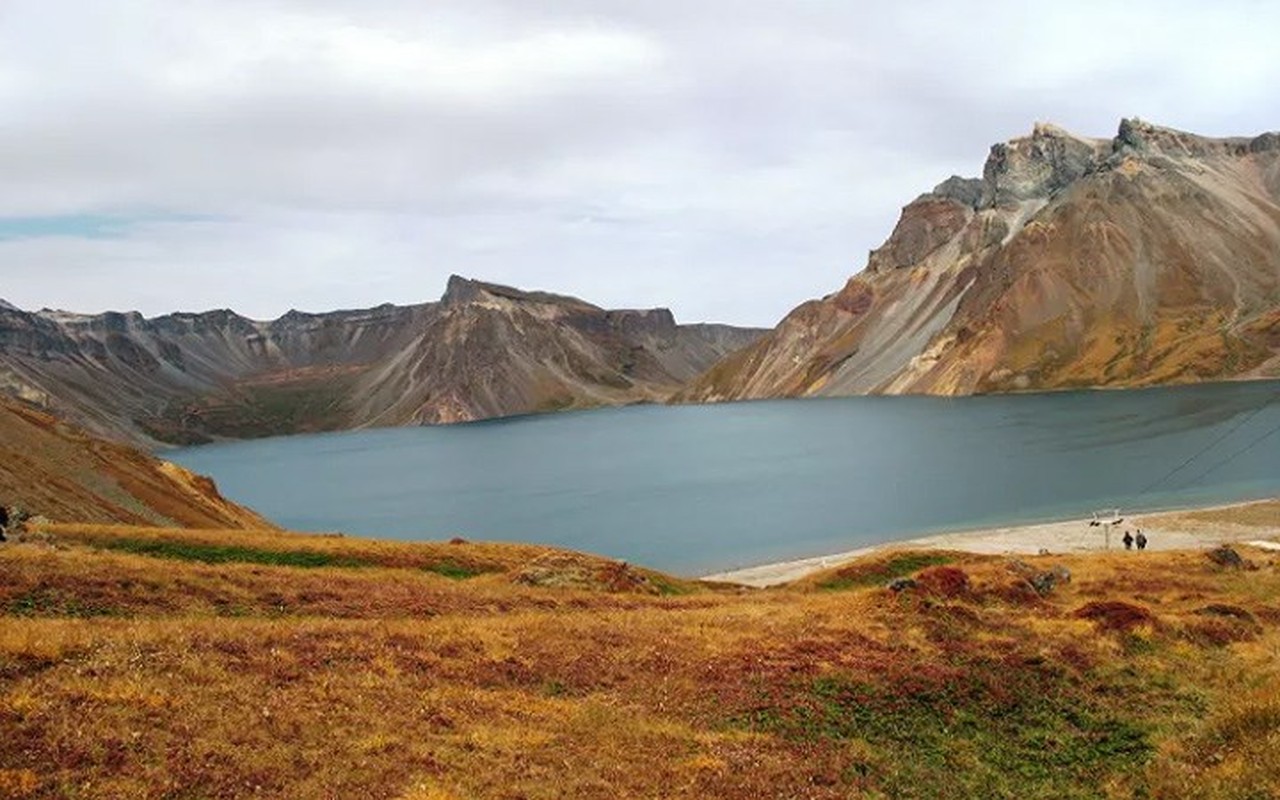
482	351
1153	257
50	468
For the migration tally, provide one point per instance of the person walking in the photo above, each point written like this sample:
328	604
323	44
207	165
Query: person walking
4	522
1141	540
1128	540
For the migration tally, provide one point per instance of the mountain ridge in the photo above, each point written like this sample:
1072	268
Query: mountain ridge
190	377
1151	257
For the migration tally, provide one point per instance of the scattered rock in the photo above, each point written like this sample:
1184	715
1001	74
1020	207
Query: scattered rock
1226	557
901	584
1043	581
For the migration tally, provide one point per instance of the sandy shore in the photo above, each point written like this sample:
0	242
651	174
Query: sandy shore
1256	523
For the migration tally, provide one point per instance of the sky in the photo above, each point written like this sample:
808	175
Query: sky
727	159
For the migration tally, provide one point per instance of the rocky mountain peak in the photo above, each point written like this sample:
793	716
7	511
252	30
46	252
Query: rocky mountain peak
1137	137
460	290
1149	257
652	321
1036	166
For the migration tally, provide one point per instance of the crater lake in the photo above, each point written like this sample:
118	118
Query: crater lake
696	489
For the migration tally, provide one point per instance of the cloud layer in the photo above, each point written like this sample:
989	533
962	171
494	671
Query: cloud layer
728	159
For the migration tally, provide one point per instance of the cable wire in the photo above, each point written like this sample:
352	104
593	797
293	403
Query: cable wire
1236	455
1240	424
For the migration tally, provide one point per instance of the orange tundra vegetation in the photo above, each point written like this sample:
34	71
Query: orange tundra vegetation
166	663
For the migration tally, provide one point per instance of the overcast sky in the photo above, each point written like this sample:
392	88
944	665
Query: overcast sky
725	158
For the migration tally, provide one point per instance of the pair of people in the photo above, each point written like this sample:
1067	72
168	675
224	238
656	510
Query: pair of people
1130	540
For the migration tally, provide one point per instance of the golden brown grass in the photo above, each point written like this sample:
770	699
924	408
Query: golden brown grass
149	674
51	468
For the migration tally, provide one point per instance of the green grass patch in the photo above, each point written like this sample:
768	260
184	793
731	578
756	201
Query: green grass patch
995	735
228	554
454	570
860	575
52	603
670	588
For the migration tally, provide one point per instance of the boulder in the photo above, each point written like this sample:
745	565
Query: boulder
1043	581
1226	557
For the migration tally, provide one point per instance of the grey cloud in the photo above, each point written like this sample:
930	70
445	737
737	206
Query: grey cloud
726	158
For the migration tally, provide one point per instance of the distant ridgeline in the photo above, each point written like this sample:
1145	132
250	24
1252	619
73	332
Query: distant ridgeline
482	351
1149	258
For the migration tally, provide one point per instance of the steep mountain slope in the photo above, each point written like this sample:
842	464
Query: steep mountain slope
1153	257
482	351
50	468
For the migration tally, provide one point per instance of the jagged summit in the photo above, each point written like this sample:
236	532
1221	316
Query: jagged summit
1051	158
1034	167
460	290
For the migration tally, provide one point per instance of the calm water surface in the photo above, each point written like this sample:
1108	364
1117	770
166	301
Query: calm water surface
700	488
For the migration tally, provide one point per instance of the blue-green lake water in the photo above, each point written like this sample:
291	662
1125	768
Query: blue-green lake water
695	489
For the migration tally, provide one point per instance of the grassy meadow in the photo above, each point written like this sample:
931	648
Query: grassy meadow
166	663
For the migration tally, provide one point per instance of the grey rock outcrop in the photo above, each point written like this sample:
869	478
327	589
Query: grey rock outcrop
1226	557
1037	166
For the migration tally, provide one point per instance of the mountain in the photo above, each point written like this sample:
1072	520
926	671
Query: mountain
488	351
1152	257
482	351
53	469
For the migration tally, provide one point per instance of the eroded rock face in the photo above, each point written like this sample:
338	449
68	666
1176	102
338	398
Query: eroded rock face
1037	166
484	350
925	225
1149	258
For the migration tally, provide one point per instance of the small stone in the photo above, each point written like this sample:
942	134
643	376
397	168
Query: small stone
901	584
1043	582
1226	557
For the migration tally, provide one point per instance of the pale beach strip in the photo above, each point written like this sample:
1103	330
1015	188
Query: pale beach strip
1253	523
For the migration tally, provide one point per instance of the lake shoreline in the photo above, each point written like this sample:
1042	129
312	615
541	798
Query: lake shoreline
1192	527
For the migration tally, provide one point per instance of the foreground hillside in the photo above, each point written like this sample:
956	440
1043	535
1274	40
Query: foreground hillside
53	469
482	351
165	663
1149	258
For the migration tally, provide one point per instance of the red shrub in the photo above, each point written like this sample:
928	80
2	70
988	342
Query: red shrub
944	581
1114	615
